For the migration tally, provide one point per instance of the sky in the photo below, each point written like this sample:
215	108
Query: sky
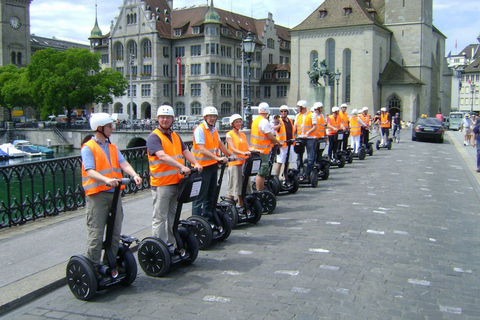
74	19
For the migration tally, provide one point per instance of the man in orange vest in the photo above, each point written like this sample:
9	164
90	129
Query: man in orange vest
333	124
102	165
356	125
261	138
345	123
206	148
365	129
305	130
385	122
284	133
166	150
321	125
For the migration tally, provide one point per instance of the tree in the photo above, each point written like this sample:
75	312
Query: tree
65	80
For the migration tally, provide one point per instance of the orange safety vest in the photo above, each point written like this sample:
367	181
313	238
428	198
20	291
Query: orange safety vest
240	143
110	169
308	124
321	126
301	125
384	121
282	134
343	118
162	174
355	128
334	123
258	139
366	119
212	143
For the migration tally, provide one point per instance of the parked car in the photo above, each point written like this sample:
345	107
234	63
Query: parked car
225	123
428	129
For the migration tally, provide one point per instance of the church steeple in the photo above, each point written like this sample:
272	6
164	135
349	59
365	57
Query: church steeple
96	33
212	16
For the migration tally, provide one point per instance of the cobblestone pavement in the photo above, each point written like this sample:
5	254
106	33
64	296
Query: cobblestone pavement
395	236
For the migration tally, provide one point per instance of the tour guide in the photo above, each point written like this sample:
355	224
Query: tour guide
206	143
261	139
165	151
102	164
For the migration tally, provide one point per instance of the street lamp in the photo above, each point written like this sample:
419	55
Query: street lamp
337	78
132	57
248	47
472	90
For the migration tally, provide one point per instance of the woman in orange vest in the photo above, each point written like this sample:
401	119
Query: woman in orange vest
206	147
102	165
384	125
166	150
238	146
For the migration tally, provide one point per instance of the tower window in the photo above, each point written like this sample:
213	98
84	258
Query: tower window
322	13
347	10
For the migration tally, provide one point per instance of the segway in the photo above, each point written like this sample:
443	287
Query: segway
154	255
252	212
312	179
366	145
220	226
85	280
322	161
387	145
291	183
338	156
267	196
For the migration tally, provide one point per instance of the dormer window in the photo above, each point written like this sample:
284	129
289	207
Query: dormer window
178	32
196	30
239	34
322	13
347	10
225	31
368	3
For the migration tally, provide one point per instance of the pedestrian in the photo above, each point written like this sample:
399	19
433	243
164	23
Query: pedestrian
284	133
439	116
376	122
238	146
261	138
166	152
206	148
102	166
385	123
466	128
476	131
397	126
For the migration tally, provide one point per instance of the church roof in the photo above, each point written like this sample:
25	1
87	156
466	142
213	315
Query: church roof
395	74
473	67
343	13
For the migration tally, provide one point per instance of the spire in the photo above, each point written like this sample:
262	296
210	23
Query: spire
212	15
96	33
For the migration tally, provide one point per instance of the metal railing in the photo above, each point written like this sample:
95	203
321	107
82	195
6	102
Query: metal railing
46	188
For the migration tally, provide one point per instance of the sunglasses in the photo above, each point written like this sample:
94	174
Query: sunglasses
283	111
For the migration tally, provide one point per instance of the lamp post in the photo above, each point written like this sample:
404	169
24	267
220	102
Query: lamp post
472	90
337	78
132	57
248	47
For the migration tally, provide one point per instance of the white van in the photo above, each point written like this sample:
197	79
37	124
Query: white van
120	116
455	120
292	112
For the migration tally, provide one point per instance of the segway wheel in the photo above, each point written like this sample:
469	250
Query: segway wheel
267	200
232	213
257	210
295	184
202	231
274	186
191	246
128	262
153	257
226	225
314	178
370	151
81	278
350	157
362	154
377	145
389	144
341	162
325	173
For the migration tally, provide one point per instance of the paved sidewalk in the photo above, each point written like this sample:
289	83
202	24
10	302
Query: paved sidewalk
34	256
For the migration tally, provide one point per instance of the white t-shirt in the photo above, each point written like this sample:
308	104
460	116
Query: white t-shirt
264	126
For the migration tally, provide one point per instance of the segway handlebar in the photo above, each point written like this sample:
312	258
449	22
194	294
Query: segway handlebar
192	170
123	181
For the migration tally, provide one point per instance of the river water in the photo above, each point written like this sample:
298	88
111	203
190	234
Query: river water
59	153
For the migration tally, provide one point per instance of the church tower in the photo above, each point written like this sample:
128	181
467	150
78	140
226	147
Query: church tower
15	32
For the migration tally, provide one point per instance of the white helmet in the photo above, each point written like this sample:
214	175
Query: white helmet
264	108
312	109
302	103
284	107
354	111
383	109
210	111
364	109
343	105
234	117
335	109
165	110
317	105
99	119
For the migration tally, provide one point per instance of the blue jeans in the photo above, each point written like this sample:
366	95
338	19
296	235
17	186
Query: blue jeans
311	152
478	154
203	204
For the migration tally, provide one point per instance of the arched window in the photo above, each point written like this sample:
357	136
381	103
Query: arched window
119	51
147	48
132	48
347	73
179	109
14	58
19	58
196	109
394	104
226	109
313	57
330	57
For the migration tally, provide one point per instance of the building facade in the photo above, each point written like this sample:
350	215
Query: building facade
199	50
387	53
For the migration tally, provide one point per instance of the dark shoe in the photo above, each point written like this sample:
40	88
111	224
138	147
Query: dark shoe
478	169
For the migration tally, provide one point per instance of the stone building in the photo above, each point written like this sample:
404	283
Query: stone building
386	52
200	45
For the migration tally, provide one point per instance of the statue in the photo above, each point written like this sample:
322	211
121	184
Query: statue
319	72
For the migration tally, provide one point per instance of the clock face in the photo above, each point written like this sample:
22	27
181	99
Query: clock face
15	22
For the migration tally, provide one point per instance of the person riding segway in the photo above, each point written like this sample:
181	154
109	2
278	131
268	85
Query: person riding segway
356	125
385	123
365	136
322	162
347	151
335	138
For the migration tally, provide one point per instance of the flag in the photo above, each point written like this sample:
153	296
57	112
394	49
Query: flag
469	82
179	76
455	43
449	55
